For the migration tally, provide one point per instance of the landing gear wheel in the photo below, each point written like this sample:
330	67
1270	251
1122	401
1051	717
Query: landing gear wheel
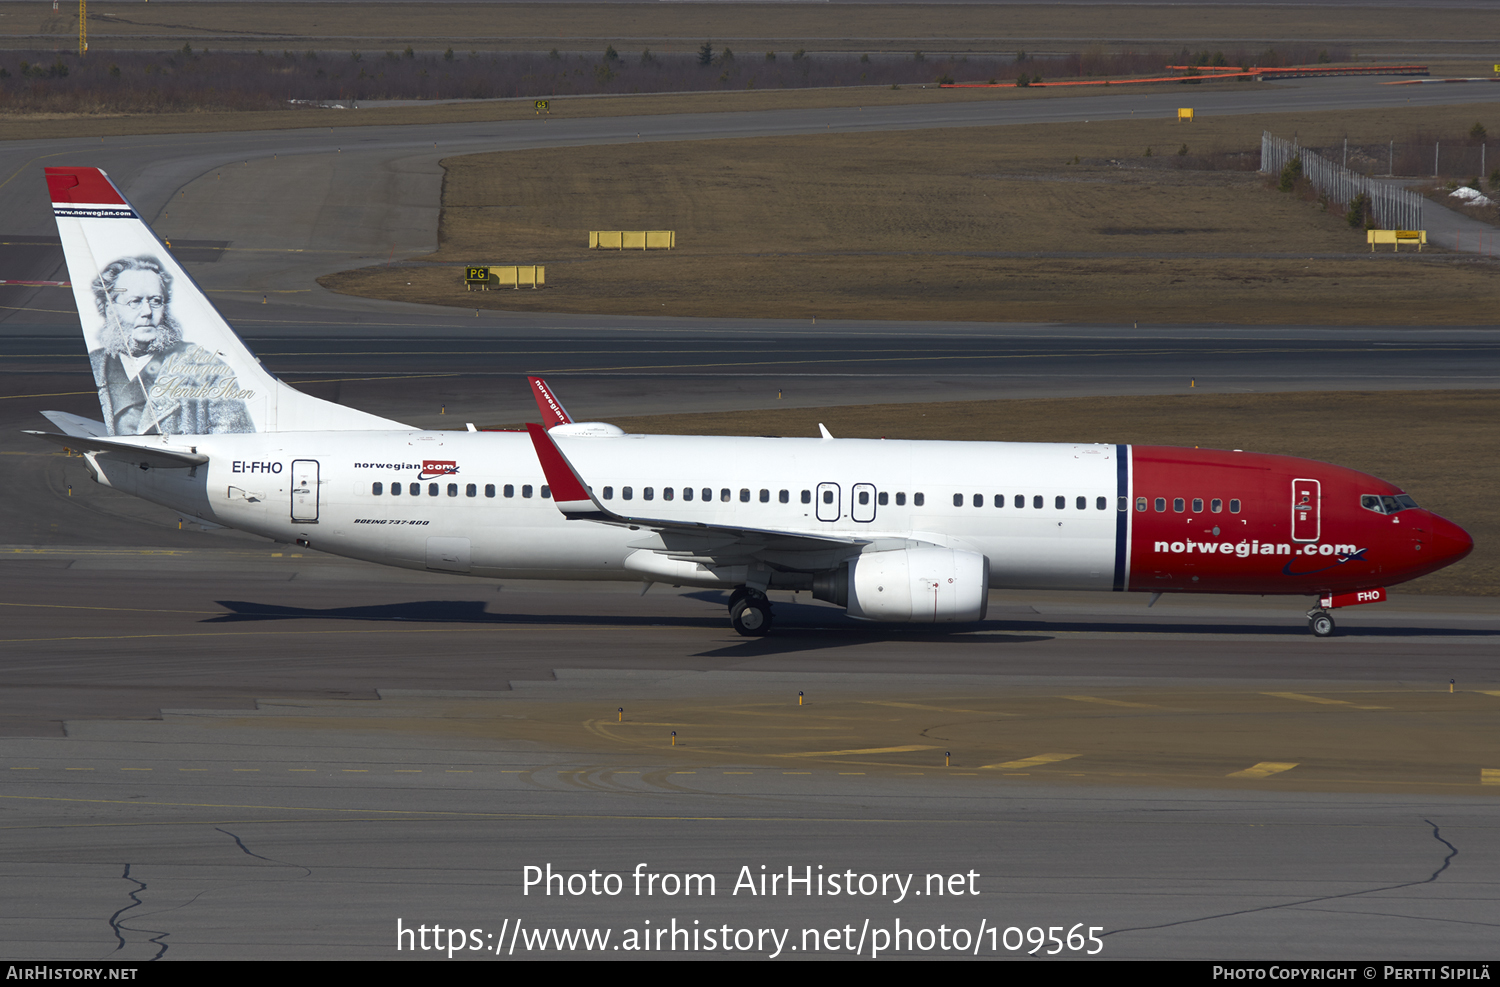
740	593
1321	624
751	617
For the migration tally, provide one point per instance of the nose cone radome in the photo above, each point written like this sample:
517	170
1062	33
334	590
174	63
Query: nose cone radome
1450	542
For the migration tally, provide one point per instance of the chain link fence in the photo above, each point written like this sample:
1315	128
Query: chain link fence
1392	208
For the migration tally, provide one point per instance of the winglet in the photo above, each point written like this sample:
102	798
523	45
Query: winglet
569	492
553	413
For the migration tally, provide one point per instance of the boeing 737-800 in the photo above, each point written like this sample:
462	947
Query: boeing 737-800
889	530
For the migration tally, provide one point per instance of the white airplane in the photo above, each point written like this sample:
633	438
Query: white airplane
890	530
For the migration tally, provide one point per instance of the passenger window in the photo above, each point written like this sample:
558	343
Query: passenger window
395	489
785	496
546	492
471	490
666	493
765	496
687	493
999	500
882	498
1020	500
1036	502
1178	504
626	493
1216	505
609	493
979	500
647	493
807	496
1197	505
1103	503
744	495
724	495
415	489
1140	505
1234	507
1083	504
958	500
1060	503
489	490
864	498
526	490
377	488
708	495
453	490
917	500
827	496
1161	504
510	490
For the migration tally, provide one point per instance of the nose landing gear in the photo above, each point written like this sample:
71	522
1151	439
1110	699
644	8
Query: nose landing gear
750	612
1320	622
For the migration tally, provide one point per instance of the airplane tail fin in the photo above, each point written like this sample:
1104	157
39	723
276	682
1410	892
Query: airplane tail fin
164	359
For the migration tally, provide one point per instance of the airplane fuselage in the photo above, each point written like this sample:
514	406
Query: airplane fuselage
1050	516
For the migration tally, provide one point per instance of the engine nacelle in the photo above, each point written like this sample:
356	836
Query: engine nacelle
918	585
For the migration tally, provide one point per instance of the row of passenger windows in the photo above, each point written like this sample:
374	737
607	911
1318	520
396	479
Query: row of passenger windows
1179	505
470	490
726	495
746	495
1038	502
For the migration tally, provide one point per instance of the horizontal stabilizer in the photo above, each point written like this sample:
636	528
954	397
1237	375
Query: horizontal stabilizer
76	424
148	457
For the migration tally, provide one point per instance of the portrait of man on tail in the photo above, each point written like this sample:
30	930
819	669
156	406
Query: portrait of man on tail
153	381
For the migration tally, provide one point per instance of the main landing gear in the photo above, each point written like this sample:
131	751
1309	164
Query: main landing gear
1320	622
750	612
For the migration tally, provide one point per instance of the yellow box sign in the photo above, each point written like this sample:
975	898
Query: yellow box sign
520	276
505	276
632	239
1395	238
1185	113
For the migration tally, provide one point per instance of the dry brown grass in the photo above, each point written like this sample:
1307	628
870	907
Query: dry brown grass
1437	445
752	26
928	225
50	126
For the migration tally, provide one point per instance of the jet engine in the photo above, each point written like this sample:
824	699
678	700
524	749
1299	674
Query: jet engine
918	585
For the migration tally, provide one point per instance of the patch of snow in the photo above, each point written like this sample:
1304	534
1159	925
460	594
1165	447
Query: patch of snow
1471	197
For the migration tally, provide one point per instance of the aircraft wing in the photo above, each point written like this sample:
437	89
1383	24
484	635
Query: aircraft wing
147	456
696	541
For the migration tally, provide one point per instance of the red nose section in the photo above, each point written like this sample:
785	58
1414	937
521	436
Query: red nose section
1449	541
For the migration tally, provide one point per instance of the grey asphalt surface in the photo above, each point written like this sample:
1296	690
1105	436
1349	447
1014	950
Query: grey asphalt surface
264	834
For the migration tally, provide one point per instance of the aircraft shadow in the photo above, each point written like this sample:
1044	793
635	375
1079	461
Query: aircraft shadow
442	612
801	627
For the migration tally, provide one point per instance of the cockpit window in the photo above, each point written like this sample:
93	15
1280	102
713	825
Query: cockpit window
1386	504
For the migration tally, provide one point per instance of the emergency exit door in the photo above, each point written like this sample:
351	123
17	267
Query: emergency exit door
305	490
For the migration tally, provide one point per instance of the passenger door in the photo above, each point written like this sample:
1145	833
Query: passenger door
305	490
1307	499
